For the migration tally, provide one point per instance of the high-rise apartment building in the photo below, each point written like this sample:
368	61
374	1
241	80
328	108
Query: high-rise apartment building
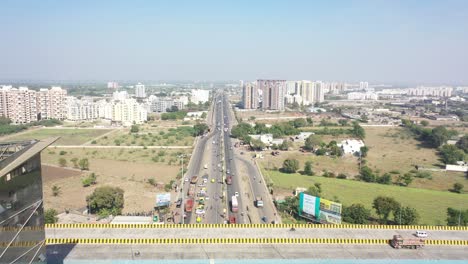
112	85
363	85
273	92
306	89
140	90
128	112
20	105
442	91
319	93
81	109
249	96
52	103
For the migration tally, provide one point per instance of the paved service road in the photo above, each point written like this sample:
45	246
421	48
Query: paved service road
280	253
245	233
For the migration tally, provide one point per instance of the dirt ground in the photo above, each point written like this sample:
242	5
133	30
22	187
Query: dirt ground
130	176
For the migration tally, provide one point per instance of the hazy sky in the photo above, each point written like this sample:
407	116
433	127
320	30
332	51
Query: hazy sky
380	41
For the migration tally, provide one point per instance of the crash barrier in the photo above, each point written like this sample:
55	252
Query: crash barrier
362	241
346	226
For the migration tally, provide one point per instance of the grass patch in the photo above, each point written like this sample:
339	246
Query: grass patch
67	136
431	205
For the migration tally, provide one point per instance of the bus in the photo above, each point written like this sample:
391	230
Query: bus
234	204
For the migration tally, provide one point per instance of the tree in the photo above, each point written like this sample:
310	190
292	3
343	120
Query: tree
336	151
424	123
358	131
451	154
152	182
299	122
462	143
84	164
457	187
199	129
356	214
457	217
364	150
134	129
290	165
203	115
50	216
90	180
56	190
315	190
405	179
242	130
406	216
311	142
106	200
284	145
308	168
384	179
309	121
439	136
257	144
343	122
367	175
62	162
384	206
75	162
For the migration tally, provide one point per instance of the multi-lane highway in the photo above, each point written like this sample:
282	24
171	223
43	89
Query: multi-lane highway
215	160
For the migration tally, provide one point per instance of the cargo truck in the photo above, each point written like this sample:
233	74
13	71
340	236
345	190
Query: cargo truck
400	242
189	205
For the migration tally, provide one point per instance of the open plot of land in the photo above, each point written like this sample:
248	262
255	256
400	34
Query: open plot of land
431	205
127	169
347	164
394	149
67	136
149	136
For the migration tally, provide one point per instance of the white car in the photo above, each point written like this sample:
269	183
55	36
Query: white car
236	194
200	211
205	180
186	180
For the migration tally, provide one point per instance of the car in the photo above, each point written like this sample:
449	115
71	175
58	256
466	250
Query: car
179	202
227	171
212	180
205	180
236	194
242	153
264	219
420	233
186	179
200	211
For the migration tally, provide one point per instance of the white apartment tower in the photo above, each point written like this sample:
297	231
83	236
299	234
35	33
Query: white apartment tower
249	96
20	105
52	103
140	91
273	92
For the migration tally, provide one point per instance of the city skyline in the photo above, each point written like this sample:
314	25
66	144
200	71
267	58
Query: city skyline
398	42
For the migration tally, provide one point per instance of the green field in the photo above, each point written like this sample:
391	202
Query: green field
180	136
67	136
431	205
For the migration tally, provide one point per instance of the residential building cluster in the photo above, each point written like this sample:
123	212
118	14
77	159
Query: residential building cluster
163	104
442	91
362	96
112	85
22	105
275	94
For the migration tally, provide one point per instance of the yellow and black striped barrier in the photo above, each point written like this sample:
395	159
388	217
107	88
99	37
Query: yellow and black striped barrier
355	241
309	226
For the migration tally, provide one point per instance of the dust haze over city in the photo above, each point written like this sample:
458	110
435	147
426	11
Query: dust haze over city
229	131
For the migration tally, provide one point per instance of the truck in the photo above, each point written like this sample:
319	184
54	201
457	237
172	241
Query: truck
259	201
189	205
400	242
191	191
234	204
229	180
194	180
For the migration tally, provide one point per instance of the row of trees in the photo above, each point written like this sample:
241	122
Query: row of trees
7	128
177	115
435	137
82	164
